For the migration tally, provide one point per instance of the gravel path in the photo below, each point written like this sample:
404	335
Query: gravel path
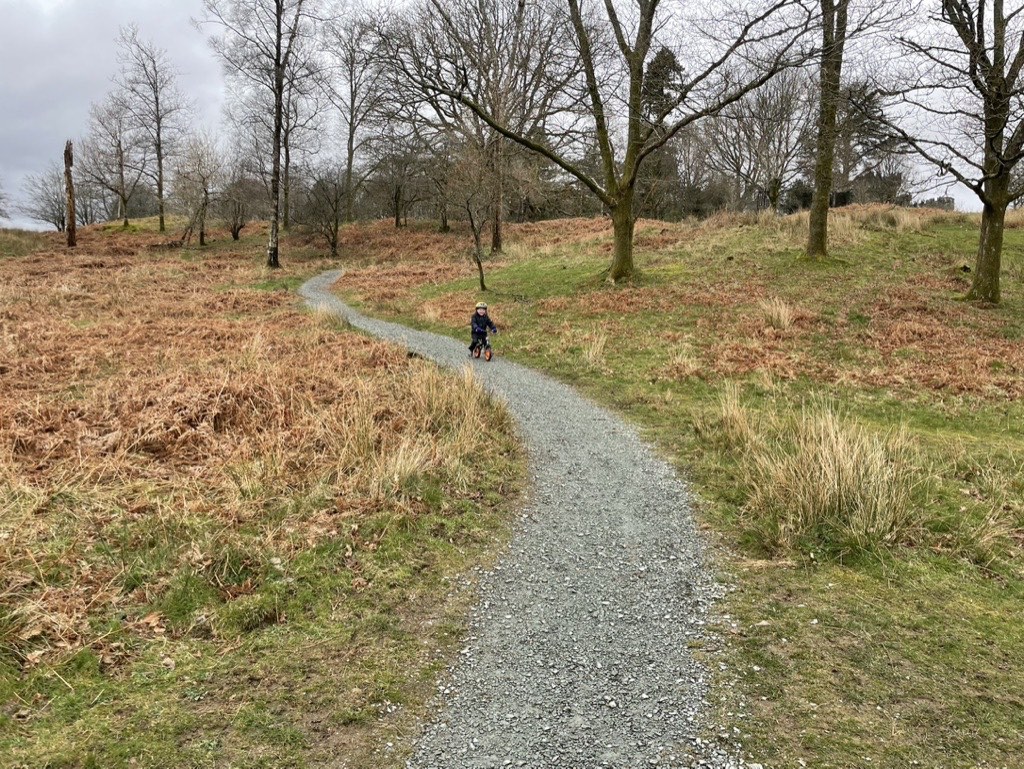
578	654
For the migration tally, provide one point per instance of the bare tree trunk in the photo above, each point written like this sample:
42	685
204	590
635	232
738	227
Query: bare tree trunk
834	14
122	184
160	186
287	185
622	225
202	218
159	146
985	287
71	223
350	161
273	253
397	201
498	204
478	246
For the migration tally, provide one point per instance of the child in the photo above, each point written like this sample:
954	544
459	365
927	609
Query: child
480	323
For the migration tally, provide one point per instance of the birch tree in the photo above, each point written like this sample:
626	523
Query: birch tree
258	41
147	83
115	153
198	174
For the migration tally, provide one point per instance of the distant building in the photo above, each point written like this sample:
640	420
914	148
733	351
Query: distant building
943	202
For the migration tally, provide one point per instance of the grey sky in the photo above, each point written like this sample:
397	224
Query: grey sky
57	57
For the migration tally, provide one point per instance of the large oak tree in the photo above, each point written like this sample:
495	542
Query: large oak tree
724	48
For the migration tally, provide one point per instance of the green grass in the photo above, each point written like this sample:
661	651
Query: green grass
311	655
324	642
917	651
17	243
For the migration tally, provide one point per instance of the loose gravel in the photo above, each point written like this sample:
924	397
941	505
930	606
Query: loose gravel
579	651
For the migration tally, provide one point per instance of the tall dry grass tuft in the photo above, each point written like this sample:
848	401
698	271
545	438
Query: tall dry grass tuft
683	364
518	251
777	313
991	539
826	482
594	344
736	422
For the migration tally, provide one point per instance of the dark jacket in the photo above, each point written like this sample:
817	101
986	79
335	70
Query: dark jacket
481	323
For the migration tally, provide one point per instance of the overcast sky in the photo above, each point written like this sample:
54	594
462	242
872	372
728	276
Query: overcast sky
57	57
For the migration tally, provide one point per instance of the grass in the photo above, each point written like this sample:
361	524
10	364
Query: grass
824	483
231	532
777	314
15	243
851	429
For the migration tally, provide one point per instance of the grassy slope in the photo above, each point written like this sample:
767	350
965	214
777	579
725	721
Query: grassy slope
915	655
200	563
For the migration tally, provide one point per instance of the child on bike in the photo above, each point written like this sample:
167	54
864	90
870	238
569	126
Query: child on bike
480	324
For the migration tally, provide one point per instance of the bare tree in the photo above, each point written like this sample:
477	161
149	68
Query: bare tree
961	108
197	176
734	47
241	198
148	85
258	41
4	214
323	205
515	61
399	176
116	154
91	205
304	107
357	91
471	190
45	198
759	139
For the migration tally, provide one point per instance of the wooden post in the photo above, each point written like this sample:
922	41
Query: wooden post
69	184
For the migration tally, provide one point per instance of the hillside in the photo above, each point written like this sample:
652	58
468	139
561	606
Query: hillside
229	529
852	427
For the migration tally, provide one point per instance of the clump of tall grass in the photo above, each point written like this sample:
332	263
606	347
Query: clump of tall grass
777	313
594	345
517	251
989	528
824	481
736	422
818	480
683	364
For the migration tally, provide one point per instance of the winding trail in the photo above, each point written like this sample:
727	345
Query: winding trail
578	654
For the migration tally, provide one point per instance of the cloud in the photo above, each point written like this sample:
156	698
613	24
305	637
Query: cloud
58	56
